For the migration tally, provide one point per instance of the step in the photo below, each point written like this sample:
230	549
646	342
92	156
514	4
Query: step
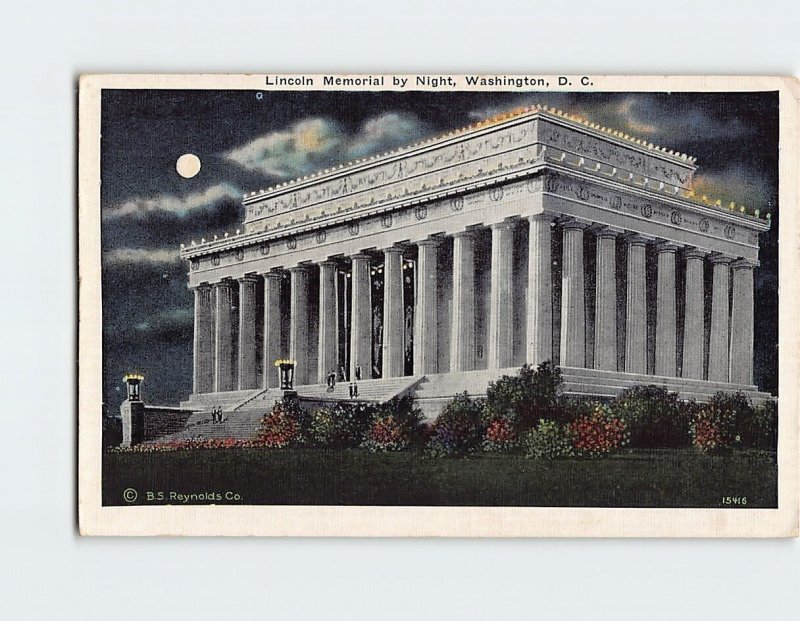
639	378
226	400
241	425
375	390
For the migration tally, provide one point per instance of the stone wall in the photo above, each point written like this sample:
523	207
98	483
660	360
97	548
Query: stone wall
160	421
141	422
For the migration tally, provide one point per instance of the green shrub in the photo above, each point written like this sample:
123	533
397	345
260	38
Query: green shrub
525	397
500	436
761	431
737	402
395	426
599	433
285	426
342	425
458	429
548	440
729	421
654	417
322	429
713	428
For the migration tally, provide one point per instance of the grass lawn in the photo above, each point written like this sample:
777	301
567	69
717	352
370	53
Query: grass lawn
641	478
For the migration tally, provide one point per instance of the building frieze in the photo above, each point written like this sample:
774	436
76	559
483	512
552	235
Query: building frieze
641	210
601	150
605	202
465	158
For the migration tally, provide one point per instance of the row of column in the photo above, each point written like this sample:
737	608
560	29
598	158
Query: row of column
214	331
730	354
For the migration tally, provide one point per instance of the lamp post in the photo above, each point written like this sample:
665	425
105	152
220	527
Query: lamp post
133	382
132	411
285	374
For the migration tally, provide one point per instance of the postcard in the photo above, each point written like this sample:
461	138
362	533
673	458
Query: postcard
438	305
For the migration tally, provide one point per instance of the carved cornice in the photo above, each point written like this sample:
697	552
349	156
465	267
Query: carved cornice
499	169
492	125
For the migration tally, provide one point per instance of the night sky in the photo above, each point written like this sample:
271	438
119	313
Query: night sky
247	144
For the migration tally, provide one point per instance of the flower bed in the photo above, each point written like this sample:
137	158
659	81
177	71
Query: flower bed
285	426
500	436
395	426
191	444
549	440
598	433
457	430
640	417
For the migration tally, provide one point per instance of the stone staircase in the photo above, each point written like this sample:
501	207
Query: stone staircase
373	391
205	402
242	412
594	382
435	390
241	425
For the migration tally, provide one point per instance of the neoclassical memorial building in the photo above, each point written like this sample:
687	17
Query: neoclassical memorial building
441	266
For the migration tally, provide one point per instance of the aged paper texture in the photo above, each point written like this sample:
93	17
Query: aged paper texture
438	305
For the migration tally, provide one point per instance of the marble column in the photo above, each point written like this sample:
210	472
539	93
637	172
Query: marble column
298	323
224	372
605	320
426	348
462	336
203	340
720	316
328	312
393	358
666	311
539	332
272	328
636	312
573	305
501	307
694	316
361	317
741	358
248	348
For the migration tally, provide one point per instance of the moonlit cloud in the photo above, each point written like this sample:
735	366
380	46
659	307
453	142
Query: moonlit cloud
315	143
735	183
141	256
294	151
387	131
643	117
173	204
173	319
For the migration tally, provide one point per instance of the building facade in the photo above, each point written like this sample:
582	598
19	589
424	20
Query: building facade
436	268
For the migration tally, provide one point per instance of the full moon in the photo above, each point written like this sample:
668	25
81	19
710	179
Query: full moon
188	165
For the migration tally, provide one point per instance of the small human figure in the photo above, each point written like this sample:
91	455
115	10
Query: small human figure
352	393
355	390
330	380
213	415
342	374
358	372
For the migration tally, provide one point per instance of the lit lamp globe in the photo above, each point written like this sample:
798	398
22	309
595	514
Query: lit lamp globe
285	374
133	382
